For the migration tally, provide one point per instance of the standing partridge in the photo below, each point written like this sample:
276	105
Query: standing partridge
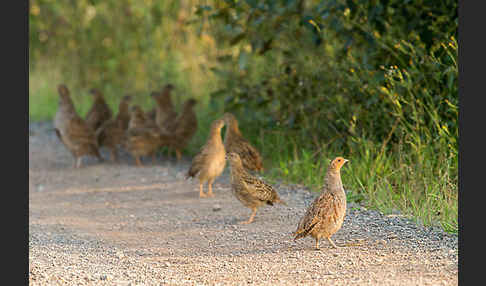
99	112
325	215
235	142
185	127
210	161
249	190
112	132
72	130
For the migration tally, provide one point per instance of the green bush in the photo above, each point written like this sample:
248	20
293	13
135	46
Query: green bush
373	80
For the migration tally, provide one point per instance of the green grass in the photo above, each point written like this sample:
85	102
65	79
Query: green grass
425	190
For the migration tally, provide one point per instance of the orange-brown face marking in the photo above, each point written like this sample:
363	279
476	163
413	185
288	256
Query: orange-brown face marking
62	89
338	162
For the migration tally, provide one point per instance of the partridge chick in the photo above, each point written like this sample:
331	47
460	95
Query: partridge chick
234	142
123	115
72	130
151	114
142	139
100	111
325	215
210	161
185	127
165	114
112	133
249	190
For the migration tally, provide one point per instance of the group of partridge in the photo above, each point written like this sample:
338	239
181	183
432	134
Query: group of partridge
144	133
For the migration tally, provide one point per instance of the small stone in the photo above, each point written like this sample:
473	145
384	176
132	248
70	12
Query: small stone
40	188
216	207
106	277
167	264
120	254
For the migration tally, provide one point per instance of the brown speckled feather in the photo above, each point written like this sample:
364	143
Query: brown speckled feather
99	112
123	115
258	188
143	137
210	161
325	209
325	215
213	149
251	191
185	127
111	133
165	114
72	130
235	142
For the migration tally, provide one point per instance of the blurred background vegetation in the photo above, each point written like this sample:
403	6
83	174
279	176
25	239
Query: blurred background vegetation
375	81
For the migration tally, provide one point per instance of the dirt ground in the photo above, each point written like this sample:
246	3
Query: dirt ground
118	224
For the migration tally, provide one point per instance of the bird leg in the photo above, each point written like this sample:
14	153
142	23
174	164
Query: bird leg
317	243
210	188
114	155
332	243
201	193
74	162
78	162
250	220
153	158
138	162
100	159
178	155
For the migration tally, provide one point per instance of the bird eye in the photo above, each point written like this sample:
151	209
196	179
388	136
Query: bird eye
339	160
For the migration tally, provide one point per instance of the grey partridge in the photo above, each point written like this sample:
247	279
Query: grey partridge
252	192
325	215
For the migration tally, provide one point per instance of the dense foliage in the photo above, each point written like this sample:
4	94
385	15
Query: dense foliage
371	68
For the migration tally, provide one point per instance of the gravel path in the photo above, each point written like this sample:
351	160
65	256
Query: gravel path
118	224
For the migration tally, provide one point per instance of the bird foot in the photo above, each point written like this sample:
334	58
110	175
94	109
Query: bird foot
245	222
202	195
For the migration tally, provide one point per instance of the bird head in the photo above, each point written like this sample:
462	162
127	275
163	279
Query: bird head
127	98
154	93
337	163
228	117
136	109
233	158
63	90
169	87
217	124
190	102
94	91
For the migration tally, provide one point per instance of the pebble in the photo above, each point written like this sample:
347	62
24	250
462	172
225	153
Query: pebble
106	277
120	254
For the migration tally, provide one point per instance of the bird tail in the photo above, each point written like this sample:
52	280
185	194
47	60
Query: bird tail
303	232
190	173
98	155
280	201
299	234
